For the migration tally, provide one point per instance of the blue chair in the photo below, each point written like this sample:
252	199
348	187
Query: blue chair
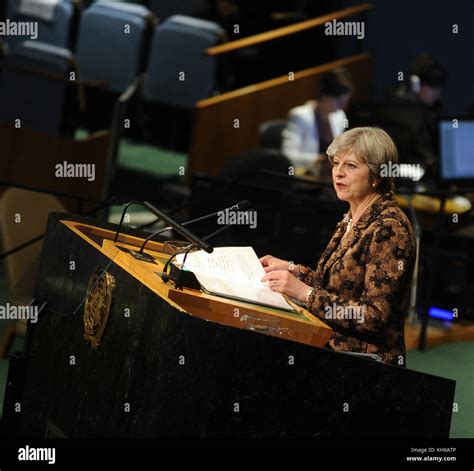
179	74
112	47
35	88
56	22
105	51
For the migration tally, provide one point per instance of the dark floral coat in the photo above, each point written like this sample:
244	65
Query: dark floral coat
362	282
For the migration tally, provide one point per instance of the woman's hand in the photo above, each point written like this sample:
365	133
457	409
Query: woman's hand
282	281
271	263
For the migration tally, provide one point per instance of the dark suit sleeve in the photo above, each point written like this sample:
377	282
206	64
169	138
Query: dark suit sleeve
389	265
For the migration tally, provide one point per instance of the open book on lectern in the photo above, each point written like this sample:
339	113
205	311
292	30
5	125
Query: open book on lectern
233	272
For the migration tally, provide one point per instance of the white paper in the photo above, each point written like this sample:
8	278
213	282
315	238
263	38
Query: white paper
41	9
234	272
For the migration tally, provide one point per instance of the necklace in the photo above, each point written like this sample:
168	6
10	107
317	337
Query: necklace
349	223
349	220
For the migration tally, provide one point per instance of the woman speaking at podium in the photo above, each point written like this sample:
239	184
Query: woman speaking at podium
362	280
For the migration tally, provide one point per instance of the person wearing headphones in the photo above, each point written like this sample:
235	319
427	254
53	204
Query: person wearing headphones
424	88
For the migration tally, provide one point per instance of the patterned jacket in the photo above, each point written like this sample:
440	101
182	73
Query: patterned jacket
362	282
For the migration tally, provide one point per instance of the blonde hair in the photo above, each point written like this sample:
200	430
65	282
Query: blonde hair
373	146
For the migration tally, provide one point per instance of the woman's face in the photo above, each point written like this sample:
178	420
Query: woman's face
351	178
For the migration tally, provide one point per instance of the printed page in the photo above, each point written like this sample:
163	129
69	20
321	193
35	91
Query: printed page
234	272
263	296
237	264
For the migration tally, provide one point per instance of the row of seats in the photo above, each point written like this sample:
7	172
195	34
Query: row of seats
57	19
117	42
166	8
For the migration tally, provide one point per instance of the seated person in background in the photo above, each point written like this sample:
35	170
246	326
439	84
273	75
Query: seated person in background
312	126
427	79
362	280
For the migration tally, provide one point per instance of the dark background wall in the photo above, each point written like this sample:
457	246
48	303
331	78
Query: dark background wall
397	31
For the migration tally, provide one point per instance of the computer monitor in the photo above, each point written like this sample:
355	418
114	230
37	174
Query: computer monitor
456	151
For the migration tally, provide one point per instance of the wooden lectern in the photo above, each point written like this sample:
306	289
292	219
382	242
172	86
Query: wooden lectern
117	352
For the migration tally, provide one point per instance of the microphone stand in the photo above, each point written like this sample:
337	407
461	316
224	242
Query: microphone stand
140	255
179	228
122	218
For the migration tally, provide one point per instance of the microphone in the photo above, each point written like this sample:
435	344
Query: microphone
191	246
174	225
122	218
240	206
187	278
179	276
188	235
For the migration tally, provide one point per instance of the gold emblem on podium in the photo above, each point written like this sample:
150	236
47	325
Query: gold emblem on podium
97	306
